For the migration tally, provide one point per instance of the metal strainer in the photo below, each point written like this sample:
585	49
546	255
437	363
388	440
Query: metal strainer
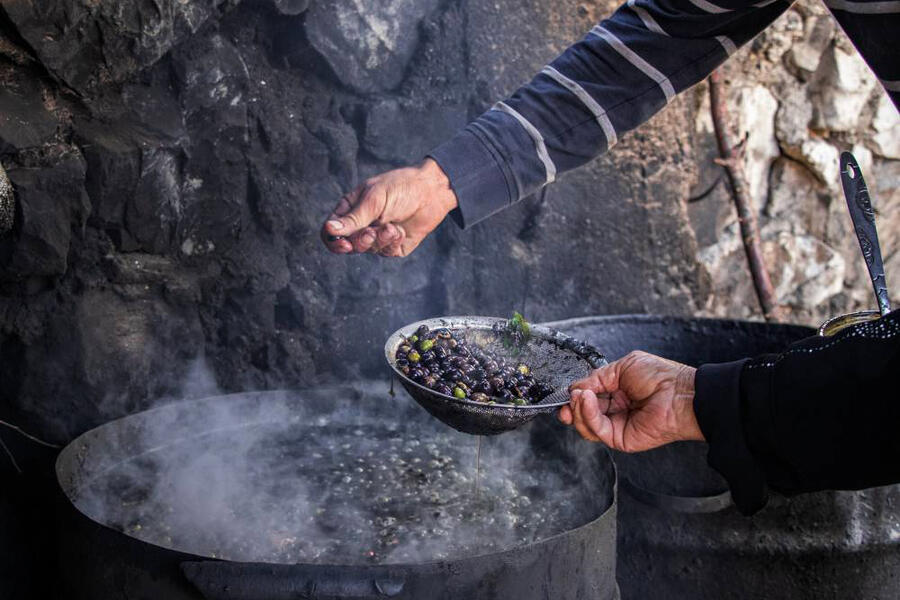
553	357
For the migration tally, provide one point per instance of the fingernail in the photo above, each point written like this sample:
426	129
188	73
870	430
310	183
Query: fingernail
368	238
334	238
335	225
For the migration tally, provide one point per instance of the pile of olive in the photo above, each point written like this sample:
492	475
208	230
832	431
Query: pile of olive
439	360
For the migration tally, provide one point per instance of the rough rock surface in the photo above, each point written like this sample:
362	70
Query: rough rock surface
826	102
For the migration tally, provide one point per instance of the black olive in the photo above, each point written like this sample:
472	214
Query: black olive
443	388
462	350
480	397
496	383
422	330
405	370
426	356
431	380
403	349
417	374
441	352
482	385
401	362
505	395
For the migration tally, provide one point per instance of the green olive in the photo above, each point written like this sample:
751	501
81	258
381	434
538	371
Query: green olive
426	345
412	339
413	356
458	393
405	348
519	402
523	369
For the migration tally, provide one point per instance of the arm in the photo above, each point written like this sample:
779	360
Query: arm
624	71
823	414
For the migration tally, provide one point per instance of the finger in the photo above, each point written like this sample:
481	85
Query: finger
387	234
593	411
595	380
565	415
578	420
330	234
366	207
396	248
364	239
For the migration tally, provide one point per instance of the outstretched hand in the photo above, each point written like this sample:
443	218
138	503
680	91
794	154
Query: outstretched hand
636	403
392	213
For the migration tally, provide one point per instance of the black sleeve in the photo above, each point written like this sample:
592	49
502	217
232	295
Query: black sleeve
823	414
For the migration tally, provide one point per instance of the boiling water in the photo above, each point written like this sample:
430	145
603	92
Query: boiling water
329	492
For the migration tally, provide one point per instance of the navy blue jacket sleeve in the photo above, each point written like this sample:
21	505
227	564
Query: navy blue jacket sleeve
625	70
823	414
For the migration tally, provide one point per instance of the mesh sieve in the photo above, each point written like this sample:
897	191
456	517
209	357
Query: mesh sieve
553	357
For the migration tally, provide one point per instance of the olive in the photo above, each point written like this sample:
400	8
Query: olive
405	370
431	380
458	392
417	374
480	397
412	339
519	392
413	356
426	356
422	330
464	386
403	349
452	343
443	333
520	402
496	383
453	374
443	388
523	369
441	352
462	350
401	362
482	386
425	344
505	395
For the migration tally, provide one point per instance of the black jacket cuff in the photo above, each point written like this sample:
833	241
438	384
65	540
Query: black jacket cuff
717	405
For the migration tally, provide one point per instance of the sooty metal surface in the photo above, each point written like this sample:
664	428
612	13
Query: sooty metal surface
827	545
554	357
340	492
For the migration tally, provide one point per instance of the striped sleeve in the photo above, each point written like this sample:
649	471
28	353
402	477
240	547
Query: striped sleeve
625	70
872	26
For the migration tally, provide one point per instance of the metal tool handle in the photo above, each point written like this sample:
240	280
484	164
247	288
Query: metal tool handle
863	216
223	580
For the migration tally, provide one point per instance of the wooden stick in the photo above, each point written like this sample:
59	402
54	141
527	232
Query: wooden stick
731	161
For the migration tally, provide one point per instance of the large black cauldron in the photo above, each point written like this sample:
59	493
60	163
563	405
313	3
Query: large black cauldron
290	484
829	545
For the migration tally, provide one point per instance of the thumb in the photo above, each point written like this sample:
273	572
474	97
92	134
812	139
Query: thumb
364	208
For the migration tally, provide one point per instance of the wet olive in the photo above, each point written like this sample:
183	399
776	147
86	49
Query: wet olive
458	392
482	385
497	383
464	386
441	352
443	388
426	356
413	356
505	395
422	330
412	339
403	349
417	374
425	344
431	380
523	369
480	397
519	401
401	362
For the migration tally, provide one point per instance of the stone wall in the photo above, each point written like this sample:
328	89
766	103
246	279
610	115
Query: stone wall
173	161
801	95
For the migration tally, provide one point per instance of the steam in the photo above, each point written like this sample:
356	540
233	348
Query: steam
341	474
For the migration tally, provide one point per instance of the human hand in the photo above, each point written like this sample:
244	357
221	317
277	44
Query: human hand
636	403
390	213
